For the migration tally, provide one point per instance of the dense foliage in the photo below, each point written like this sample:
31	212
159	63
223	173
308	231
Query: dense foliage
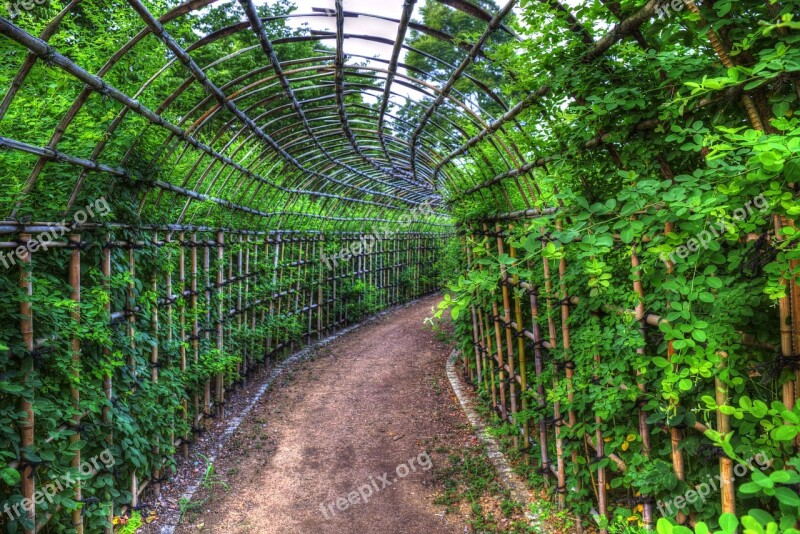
657	148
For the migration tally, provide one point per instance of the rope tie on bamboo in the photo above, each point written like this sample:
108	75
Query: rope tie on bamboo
772	369
533	345
545	469
38	354
564	365
49	56
78	245
33	464
710	451
555	421
759	255
88	500
566	302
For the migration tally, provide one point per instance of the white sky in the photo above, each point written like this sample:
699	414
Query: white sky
362	26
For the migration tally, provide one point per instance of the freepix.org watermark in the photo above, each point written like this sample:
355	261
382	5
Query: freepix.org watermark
375	485
378	233
14	9
714	231
46	492
43	240
704	489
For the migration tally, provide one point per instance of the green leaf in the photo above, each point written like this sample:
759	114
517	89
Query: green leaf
728	523
784	433
10	476
787	496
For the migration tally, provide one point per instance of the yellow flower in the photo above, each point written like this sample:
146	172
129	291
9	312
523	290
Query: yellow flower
624	445
631	437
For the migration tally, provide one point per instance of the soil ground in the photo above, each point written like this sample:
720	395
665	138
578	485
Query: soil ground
366	404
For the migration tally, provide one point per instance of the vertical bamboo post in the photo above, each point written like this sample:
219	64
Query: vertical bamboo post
523	364
154	327
786	318
220	385
207	325
464	356
195	326
499	354
170	300
75	285
489	352
602	495
539	370
557	417
246	352
568	363
512	387
107	381
182	313
275	288
674	432
241	317
644	430
320	286
727	485
26	425
131	311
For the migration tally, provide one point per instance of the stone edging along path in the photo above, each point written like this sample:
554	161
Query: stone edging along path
510	480
169	523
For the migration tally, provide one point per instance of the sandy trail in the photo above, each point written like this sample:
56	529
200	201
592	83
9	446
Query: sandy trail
370	402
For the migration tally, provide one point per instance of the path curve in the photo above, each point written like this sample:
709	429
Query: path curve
361	420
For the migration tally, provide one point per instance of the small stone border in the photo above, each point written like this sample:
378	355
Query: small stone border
235	422
511	480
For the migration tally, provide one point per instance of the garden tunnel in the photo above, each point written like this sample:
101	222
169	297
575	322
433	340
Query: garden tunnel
607	188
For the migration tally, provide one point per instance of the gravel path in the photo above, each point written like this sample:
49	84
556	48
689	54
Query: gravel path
358	423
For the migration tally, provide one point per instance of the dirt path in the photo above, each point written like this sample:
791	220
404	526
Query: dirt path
361	420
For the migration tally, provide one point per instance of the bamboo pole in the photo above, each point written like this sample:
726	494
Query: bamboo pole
568	364
195	326
207	325
644	430
551	326
75	284
523	364
512	386
131	307
26	425
539	370
182	314
499	353
727	485
220	386
320	288
785	318
678	465
169	317
154	327
244	299
602	495
107	380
